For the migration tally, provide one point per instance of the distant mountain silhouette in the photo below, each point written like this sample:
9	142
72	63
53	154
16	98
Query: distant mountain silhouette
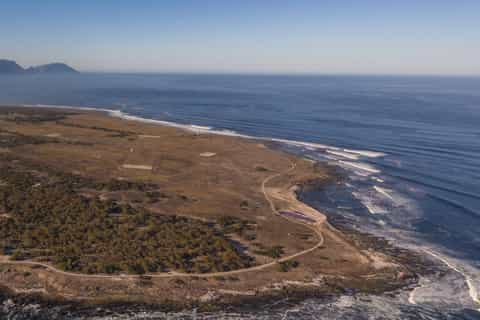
11	67
52	68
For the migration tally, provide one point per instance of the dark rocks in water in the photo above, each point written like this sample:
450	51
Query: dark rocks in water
11	67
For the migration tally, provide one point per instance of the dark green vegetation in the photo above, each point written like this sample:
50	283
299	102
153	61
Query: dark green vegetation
274	252
286	266
233	225
12	139
45	219
31	115
78	182
68	180
112	132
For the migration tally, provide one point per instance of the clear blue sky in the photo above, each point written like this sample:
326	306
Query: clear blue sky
376	36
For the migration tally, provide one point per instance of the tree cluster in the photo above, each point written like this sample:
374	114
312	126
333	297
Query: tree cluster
274	252
112	132
31	115
51	222
10	139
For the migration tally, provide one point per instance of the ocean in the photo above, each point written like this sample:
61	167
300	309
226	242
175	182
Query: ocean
409	147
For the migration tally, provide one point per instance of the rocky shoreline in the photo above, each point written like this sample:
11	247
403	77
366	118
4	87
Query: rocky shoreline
325	288
419	264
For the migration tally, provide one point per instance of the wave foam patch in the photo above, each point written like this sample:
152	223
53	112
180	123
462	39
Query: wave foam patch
342	154
360	166
366	153
125	116
309	145
384	191
369	202
469	281
396	198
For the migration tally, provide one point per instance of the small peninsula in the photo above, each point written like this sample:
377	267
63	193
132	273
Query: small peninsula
97	209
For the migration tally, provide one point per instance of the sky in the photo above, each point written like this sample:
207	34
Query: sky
246	36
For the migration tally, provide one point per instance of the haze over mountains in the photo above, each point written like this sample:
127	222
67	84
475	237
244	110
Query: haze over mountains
11	67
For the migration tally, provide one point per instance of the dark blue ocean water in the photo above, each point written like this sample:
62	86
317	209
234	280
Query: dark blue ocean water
410	146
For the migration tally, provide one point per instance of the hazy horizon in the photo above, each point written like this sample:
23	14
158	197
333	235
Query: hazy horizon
230	37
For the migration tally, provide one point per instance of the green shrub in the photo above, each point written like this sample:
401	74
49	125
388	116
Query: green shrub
286	266
274	252
52	220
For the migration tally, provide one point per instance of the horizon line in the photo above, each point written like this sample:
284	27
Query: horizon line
255	73
281	73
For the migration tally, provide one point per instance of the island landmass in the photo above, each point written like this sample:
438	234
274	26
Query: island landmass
12	67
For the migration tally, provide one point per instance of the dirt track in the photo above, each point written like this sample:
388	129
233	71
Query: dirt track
314	227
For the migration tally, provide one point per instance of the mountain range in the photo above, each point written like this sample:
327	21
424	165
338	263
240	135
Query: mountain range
11	67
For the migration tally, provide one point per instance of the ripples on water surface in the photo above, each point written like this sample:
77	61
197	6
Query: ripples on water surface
424	192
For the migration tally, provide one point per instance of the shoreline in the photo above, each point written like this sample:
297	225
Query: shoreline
204	130
209	130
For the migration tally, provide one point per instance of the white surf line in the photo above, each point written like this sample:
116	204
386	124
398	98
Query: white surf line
411	296
472	291
225	132
383	192
347	155
366	153
361	166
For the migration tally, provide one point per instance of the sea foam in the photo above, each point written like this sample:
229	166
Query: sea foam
472	290
359	165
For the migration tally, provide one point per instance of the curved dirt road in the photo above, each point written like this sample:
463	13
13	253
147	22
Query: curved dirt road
3	259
